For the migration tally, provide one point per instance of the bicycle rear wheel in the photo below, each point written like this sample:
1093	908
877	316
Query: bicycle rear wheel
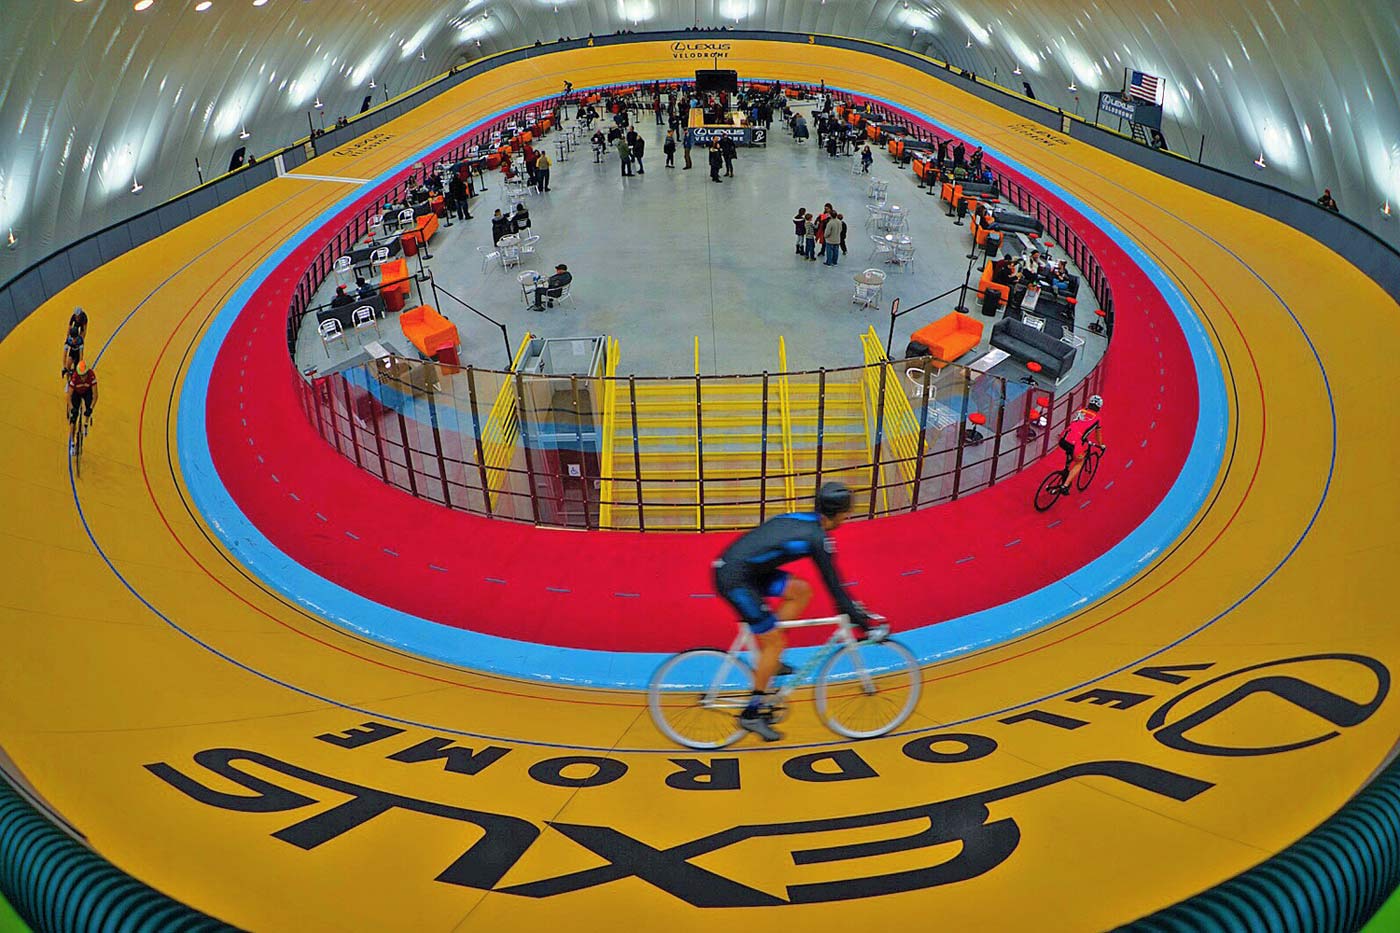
78	449
696	696
1048	490
1091	466
868	688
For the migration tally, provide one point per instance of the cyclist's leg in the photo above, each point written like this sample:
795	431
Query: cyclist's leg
747	600
1068	449
1076	466
74	402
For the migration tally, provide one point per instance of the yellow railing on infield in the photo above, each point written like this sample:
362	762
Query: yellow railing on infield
785	420
901	425
605	454
502	430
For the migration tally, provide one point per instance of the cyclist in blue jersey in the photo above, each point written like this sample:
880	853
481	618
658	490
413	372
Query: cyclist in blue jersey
749	572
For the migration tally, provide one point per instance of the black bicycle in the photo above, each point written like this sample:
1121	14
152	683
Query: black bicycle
1048	493
84	422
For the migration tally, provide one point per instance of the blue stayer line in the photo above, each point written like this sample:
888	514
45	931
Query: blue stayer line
496	655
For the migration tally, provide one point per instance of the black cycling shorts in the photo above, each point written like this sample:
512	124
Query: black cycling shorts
75	400
748	595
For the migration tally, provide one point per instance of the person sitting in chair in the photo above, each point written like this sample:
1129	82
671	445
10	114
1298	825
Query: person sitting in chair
520	219
341	298
552	288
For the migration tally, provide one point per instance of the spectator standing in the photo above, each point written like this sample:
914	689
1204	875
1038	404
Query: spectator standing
457	191
842	218
624	155
1327	201
656	108
809	238
833	239
686	143
638	146
542	165
728	151
669	147
866	157
799	225
716	161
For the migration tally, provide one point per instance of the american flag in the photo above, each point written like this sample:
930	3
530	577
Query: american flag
1145	87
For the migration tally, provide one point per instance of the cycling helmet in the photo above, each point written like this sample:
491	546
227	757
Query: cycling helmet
1096	402
82	367
833	499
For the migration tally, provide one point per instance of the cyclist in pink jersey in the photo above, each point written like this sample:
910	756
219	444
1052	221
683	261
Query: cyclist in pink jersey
1075	441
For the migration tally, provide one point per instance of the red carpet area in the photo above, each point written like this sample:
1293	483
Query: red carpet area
651	591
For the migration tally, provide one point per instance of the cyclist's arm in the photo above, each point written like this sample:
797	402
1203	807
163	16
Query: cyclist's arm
1098	433
827	566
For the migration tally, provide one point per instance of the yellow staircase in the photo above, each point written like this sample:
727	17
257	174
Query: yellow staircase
702	446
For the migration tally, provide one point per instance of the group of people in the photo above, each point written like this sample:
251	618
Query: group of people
80	382
1020	273
827	230
537	166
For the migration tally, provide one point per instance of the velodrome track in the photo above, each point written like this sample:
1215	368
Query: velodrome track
1160	739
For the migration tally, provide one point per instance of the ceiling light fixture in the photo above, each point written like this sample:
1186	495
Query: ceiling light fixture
1073	86
259	2
1385	212
141	6
136	186
969	41
203	5
318	103
11	241
371	82
1016	70
244	134
422	56
1260	161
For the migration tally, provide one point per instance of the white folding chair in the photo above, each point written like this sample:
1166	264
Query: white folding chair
406	217
528	246
342	269
869	293
331	330
379	257
565	293
362	317
916	376
872	215
488	255
883	247
903	256
510	256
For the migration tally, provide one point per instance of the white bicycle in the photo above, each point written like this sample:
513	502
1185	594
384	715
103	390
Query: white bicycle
865	685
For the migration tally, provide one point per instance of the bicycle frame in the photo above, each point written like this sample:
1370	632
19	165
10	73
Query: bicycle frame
746	642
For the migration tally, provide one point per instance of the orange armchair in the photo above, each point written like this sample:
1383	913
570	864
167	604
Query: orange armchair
948	338
985	284
427	330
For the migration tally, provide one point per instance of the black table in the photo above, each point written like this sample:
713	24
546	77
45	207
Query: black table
342	313
359	255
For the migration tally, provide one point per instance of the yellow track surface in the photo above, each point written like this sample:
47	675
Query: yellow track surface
106	705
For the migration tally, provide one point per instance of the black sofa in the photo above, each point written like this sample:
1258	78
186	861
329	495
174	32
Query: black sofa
1025	343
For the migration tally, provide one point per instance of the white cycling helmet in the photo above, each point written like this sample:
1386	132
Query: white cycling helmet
1095	402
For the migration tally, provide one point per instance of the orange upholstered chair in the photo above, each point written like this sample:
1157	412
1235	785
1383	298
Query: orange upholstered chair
986	283
949	337
427	330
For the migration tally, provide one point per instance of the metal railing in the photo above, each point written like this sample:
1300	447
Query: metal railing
687	452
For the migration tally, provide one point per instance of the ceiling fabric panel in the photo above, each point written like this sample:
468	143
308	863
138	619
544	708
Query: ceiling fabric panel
95	97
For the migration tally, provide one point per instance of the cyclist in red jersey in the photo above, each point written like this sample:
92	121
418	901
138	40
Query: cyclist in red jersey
82	393
1075	441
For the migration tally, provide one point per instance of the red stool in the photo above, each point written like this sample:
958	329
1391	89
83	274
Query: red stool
1096	326
1037	417
1034	368
972	435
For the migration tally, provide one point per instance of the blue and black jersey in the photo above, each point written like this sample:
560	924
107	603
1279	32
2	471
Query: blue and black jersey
756	559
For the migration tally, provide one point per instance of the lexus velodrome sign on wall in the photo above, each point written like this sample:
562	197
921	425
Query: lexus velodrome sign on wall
684	50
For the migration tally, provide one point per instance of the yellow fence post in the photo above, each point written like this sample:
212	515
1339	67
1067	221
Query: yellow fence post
901	424
605	449
785	418
501	430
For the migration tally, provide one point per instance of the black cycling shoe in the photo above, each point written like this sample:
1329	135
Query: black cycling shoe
758	724
784	670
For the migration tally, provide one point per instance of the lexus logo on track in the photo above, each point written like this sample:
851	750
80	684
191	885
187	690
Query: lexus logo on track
1307	700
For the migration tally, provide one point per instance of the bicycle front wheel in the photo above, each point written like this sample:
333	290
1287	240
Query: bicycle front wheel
696	697
1048	491
1091	466
868	688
